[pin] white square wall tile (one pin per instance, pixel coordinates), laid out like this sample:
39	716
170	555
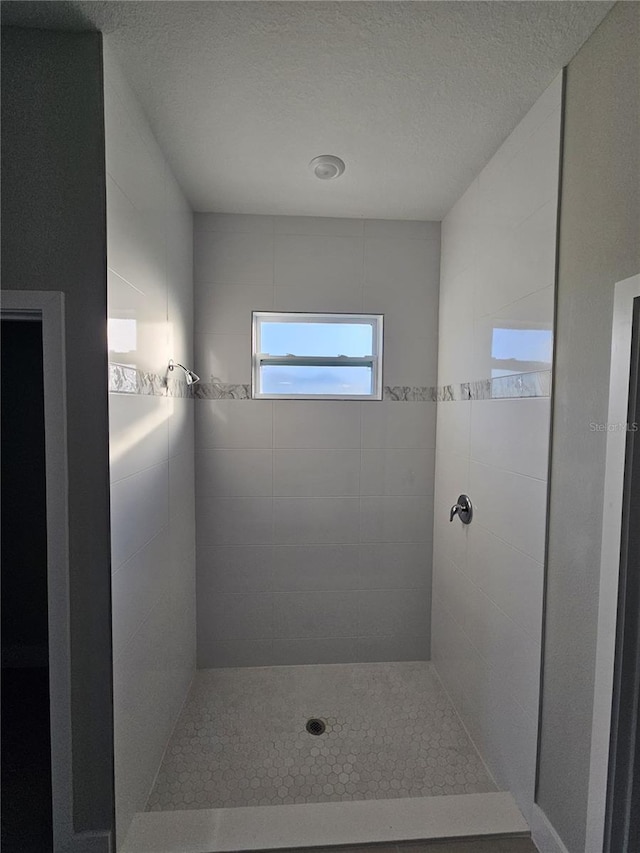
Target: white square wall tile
316	473
393	612
336	298
503	730
502	341
136	588
239	616
227	473
137	324
234	521
522	265
139	511
233	568
138	433
303	568
223	358
511	506
403	229
508	577
452	477
400	263
301	651
315	614
498	640
451	480
395	565
396	519
299	521
410	360
408	313
395	648
136	241
238	223
181	425
132	156
533	171
512	434
319	226
233	423
455	352
213	652
316	425
315	263
460	234
227	309
181	507
387	424
397	472
453	427
233	258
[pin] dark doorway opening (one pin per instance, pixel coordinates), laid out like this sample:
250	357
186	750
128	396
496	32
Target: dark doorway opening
26	741
622	827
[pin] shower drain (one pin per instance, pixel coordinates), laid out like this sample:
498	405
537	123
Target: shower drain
316	726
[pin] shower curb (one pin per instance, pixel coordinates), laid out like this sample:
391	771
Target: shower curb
326	824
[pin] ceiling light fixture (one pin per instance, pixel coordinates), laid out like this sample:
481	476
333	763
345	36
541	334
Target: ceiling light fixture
326	167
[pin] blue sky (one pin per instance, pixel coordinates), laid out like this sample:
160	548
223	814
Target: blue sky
353	339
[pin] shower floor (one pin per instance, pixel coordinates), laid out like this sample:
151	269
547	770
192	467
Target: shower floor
391	731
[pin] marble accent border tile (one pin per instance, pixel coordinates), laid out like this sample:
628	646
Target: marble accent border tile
128	380
445	393
478	390
409	393
124	379
535	384
221	391
176	388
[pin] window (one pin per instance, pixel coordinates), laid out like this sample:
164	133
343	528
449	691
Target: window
317	356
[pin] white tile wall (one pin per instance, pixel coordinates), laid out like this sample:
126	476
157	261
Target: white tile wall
314	518
150	293
498	261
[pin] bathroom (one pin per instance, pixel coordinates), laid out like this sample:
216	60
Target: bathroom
328	616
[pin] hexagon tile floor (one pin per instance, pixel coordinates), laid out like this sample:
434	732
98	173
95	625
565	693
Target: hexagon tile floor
241	740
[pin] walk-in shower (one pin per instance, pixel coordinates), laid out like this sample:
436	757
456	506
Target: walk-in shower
310	648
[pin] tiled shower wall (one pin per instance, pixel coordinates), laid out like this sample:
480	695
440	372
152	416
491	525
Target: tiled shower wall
496	299
150	301
314	518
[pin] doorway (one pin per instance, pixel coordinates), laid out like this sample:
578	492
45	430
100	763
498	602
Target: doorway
41	373
26	759
622	827
614	783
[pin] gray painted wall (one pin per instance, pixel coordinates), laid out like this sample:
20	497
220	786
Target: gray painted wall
54	238
599	222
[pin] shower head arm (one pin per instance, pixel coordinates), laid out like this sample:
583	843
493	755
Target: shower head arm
190	376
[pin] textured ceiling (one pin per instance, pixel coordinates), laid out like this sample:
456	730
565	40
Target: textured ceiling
415	97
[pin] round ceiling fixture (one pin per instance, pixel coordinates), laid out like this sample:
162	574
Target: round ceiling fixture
326	167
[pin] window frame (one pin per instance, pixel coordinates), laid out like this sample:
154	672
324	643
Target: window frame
376	321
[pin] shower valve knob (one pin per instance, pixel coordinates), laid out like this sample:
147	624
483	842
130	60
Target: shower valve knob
463	509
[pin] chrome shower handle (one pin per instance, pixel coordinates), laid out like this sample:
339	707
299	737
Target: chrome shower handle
463	509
